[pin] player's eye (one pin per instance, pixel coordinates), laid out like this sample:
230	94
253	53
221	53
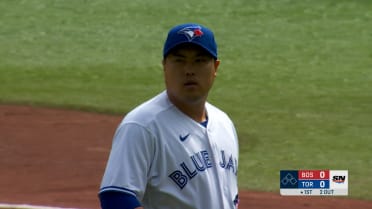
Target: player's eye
179	60
201	59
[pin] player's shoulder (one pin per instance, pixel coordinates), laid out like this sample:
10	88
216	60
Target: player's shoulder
216	112
149	110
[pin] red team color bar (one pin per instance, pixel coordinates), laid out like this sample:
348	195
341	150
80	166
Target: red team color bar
313	174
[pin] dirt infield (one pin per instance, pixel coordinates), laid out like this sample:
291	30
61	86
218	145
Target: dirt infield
57	158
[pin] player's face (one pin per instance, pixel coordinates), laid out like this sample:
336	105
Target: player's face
189	72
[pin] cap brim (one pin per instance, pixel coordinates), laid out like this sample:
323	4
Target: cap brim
188	42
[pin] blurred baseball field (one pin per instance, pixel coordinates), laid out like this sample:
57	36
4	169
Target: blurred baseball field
295	76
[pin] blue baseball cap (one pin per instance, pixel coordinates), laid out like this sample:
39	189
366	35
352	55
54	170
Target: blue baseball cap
191	33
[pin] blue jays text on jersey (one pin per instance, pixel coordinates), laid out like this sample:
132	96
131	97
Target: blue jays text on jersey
200	162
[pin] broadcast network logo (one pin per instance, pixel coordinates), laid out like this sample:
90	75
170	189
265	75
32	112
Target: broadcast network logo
339	179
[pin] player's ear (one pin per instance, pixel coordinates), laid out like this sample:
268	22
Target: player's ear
216	65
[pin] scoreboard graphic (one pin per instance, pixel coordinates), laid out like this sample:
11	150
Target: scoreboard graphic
314	182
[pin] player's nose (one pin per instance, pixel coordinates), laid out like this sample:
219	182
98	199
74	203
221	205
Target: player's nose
189	69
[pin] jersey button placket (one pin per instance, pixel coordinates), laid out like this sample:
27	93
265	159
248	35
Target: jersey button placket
215	154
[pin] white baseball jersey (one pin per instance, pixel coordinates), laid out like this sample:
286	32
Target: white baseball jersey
167	160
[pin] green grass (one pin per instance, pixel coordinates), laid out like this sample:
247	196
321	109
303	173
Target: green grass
295	76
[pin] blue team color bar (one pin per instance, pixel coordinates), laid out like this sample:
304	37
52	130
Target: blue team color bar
313	184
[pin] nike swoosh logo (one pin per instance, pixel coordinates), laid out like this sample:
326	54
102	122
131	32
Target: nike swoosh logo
183	138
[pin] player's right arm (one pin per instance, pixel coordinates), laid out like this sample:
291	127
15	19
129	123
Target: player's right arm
127	170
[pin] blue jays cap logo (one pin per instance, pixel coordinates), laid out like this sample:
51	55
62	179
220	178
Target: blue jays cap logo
191	32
